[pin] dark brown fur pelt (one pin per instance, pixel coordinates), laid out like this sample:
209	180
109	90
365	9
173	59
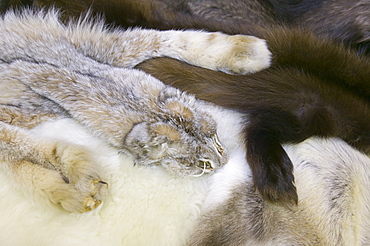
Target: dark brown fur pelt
314	87
345	22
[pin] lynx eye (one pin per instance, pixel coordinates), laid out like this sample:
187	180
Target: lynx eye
218	145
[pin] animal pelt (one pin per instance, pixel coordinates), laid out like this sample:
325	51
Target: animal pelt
313	88
83	70
345	22
282	105
307	91
332	75
147	206
331	180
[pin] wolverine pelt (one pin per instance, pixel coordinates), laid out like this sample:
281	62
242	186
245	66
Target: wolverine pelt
315	86
83	70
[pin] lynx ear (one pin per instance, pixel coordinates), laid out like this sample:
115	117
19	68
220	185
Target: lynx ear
178	109
138	134
151	140
177	103
167	131
167	93
158	133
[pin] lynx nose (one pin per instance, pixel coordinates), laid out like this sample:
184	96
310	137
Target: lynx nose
206	164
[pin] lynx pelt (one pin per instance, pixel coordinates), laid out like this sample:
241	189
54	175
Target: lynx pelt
84	71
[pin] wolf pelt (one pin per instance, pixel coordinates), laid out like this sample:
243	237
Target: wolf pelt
151	207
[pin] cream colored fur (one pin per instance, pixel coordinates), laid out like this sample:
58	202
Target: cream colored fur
148	206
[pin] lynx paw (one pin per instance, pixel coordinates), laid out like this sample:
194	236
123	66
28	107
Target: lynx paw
83	189
234	54
245	54
79	200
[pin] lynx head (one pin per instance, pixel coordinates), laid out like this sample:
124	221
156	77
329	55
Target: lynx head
181	139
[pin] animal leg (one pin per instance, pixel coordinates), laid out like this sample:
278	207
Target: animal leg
63	171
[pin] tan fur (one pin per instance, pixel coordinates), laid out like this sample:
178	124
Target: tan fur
168	131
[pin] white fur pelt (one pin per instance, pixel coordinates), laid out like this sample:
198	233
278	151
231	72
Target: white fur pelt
148	206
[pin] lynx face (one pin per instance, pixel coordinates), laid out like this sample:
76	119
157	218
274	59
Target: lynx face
181	150
183	139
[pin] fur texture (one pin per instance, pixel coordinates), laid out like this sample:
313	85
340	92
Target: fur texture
282	104
222	209
276	116
82	70
151	207
339	20
342	21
